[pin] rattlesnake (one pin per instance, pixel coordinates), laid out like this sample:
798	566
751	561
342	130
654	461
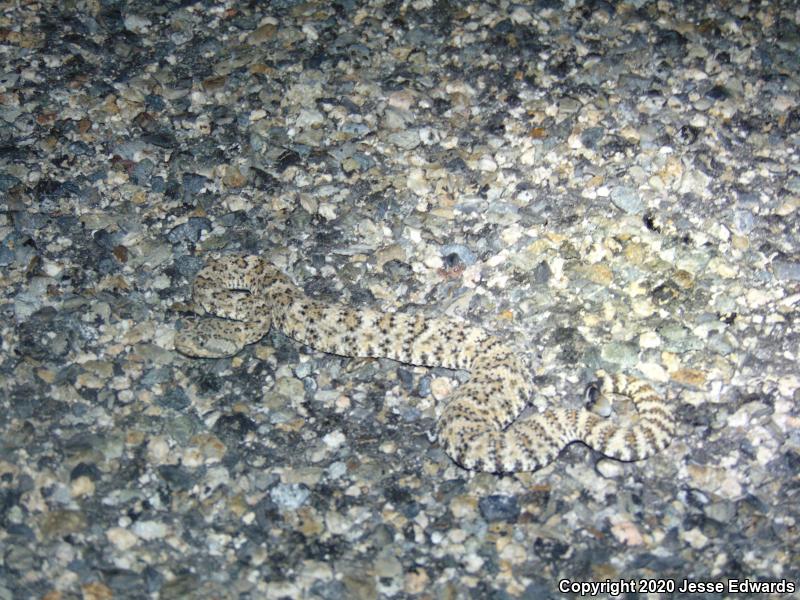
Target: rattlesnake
479	425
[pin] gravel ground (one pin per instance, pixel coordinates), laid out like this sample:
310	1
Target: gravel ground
606	185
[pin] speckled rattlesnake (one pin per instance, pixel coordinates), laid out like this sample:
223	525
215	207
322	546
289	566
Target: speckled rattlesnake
478	426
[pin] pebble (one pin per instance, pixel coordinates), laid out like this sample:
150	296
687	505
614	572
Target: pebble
441	387
623	354
498	507
626	532
149	530
289	496
405	140
81	487
122	538
786	270
610	469
189	231
627	200
334	440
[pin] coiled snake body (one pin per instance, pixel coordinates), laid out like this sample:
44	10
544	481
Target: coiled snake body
479	424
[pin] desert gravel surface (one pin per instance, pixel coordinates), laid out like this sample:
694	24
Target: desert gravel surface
605	185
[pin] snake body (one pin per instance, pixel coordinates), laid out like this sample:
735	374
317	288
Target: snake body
479	424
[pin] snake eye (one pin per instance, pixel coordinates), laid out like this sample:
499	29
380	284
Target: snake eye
592	393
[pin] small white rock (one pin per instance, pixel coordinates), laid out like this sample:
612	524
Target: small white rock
334	439
388	447
158	452
136	23
149	530
417	182
121	538
487	163
520	15
309	118
441	387
649	339
81	487
653	371
696	538
610	469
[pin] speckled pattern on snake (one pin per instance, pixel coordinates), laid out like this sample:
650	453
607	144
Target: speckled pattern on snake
479	424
